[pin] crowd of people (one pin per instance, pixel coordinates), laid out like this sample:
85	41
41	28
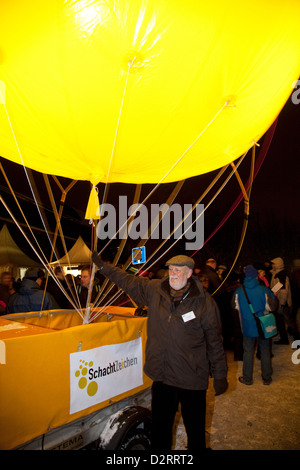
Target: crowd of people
28	294
221	286
37	292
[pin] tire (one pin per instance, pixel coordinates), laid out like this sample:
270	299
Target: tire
133	430
136	440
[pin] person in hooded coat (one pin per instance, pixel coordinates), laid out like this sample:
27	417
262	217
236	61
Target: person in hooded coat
262	299
31	298
284	315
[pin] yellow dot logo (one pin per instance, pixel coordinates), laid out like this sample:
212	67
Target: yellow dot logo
92	388
82	383
82	371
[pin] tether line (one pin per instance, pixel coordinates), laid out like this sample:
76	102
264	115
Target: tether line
169	171
37	254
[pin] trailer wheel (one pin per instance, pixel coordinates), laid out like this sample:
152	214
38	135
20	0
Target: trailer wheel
132	430
137	440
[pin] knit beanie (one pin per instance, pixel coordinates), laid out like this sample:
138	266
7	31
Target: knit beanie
250	271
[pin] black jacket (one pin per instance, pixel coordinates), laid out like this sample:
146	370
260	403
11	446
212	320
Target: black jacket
30	298
179	353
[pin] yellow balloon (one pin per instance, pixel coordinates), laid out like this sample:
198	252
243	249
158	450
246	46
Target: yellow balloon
142	91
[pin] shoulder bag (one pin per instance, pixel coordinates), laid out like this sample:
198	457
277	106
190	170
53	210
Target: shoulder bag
266	324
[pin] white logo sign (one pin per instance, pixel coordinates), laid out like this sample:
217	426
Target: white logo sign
101	373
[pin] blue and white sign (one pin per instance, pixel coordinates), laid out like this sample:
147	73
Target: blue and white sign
139	255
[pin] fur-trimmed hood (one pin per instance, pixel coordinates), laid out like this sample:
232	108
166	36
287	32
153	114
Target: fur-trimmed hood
278	265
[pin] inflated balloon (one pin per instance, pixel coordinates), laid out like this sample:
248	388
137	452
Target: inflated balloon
142	91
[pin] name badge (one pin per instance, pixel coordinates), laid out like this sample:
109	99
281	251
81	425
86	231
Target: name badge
188	316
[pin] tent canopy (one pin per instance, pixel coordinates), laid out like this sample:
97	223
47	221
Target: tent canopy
12	257
78	254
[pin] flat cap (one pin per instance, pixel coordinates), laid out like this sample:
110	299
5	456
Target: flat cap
181	260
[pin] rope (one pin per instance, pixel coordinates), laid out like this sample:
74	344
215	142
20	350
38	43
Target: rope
130	64
246	215
226	104
120	249
20	209
59	228
37	254
105	189
34	197
199	215
199	199
259	162
143	241
25	169
234	171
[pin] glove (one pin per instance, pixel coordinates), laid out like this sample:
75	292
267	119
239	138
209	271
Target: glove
97	259
140	312
220	385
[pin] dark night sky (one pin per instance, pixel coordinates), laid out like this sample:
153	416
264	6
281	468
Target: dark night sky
274	225
279	175
275	199
274	222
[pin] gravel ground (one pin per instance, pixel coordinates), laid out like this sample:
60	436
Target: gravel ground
256	417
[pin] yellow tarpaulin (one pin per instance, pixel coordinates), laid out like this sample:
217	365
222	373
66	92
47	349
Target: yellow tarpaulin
35	379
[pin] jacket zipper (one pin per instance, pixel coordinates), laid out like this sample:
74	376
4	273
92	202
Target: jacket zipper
169	319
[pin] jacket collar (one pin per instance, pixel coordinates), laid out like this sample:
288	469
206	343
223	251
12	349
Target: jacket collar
251	282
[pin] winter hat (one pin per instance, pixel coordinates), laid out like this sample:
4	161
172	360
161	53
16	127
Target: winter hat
181	260
278	264
250	271
222	266
33	273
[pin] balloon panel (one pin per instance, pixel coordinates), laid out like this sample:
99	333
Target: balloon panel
122	90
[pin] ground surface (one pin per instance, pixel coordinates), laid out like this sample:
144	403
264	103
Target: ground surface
256	417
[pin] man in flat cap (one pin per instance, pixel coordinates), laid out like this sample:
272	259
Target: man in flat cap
30	297
184	344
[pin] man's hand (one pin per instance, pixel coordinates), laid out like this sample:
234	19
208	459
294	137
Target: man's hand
97	259
220	385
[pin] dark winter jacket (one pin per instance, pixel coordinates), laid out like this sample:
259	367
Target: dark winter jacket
178	352
262	300
29	299
214	280
58	294
84	291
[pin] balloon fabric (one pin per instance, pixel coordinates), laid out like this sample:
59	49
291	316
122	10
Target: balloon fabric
142	91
